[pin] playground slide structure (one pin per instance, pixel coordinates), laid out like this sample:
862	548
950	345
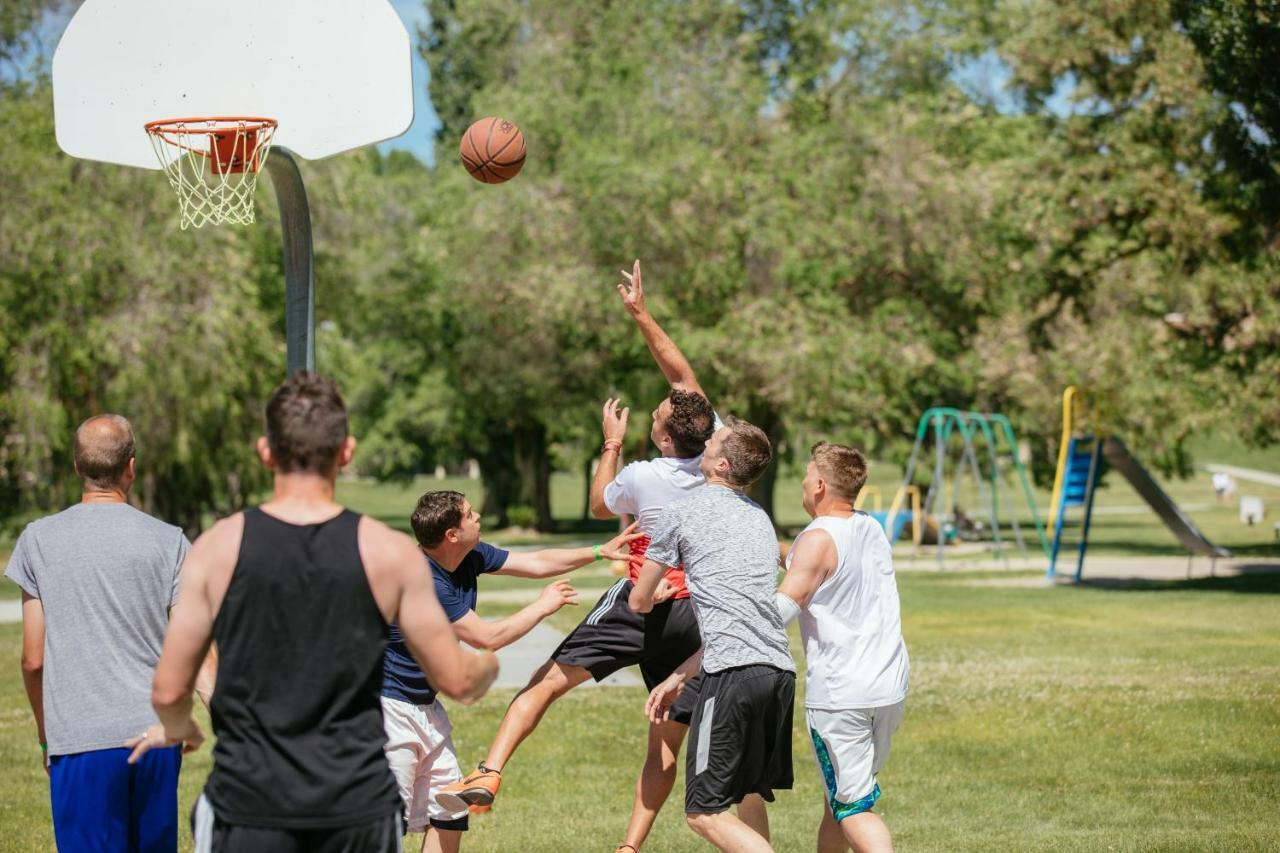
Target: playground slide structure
1079	468
1119	458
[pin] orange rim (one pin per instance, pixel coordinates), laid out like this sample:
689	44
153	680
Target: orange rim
175	130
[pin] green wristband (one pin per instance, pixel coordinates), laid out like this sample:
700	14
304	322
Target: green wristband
44	746
595	549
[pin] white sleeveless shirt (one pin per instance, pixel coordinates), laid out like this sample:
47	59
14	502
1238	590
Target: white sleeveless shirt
852	628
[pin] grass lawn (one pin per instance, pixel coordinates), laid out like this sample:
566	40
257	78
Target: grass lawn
1038	719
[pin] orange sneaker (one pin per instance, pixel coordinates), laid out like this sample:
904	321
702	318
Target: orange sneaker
475	792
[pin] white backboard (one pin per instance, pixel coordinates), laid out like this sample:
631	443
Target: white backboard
335	74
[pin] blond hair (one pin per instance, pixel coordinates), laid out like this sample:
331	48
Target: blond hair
844	468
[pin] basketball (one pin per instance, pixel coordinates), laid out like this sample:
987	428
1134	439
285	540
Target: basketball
492	149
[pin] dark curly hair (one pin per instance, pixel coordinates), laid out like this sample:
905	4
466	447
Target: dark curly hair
691	423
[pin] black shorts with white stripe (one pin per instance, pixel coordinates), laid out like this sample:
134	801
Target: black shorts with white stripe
612	637
739	738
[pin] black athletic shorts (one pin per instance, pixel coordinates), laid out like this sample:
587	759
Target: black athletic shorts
213	835
612	637
740	737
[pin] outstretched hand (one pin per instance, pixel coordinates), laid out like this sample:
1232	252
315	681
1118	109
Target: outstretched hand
632	291
557	595
617	547
615	420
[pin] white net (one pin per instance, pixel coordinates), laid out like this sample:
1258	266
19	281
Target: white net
213	165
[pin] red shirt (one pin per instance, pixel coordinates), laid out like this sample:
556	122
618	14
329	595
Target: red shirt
674	576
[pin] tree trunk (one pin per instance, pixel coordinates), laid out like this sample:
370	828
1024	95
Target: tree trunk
587	474
516	471
765	415
497	473
533	462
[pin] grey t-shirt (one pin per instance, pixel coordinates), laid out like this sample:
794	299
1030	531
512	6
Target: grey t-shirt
726	544
106	575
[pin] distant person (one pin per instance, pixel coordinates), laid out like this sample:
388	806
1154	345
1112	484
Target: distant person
611	636
419	741
840	583
299	594
740	733
1221	483
97	581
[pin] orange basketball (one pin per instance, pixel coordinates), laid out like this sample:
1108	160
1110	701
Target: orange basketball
492	149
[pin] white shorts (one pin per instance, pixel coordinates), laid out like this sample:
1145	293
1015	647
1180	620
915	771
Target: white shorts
420	751
851	746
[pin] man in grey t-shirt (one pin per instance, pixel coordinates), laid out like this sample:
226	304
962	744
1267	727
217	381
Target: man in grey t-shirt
740	734
97	581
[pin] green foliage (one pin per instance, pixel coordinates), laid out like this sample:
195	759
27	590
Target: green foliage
837	234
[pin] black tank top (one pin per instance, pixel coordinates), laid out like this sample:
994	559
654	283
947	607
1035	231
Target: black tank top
296	709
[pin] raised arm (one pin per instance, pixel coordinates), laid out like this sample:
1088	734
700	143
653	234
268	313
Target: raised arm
670	359
614	427
549	562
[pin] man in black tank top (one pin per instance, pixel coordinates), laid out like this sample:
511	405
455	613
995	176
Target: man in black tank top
298	595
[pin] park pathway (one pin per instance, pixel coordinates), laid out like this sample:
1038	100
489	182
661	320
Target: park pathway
1253	475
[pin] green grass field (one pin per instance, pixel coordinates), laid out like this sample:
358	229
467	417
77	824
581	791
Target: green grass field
1038	719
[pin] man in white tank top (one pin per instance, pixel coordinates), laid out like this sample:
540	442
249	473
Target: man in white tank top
840	583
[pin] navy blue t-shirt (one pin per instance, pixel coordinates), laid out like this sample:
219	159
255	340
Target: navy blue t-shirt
401	676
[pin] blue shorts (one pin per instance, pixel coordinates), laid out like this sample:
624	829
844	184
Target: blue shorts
101	802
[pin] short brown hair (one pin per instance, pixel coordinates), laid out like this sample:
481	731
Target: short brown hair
748	451
844	468
691	423
103	448
435	514
306	424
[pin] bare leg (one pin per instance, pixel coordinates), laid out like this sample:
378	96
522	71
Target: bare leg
441	840
728	833
830	837
657	778
867	833
551	681
753	812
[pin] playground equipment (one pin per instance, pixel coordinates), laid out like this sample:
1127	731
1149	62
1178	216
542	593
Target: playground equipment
893	521
1001	448
1080	460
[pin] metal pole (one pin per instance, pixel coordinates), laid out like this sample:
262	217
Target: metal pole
937	481
299	267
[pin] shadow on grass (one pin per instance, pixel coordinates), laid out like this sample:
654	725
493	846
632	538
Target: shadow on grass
1257	579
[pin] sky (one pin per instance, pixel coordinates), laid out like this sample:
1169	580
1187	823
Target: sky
419	139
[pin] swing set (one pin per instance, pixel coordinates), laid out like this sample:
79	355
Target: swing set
977	445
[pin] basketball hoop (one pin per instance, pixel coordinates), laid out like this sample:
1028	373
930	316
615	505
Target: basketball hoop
234	148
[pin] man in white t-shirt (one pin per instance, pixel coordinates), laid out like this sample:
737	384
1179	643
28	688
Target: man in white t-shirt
841	585
611	636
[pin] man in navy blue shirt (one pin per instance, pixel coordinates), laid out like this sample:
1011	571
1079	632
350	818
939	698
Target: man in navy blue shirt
419	747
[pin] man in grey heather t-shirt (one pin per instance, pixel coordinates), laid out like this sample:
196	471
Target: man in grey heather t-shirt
740	734
98	580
